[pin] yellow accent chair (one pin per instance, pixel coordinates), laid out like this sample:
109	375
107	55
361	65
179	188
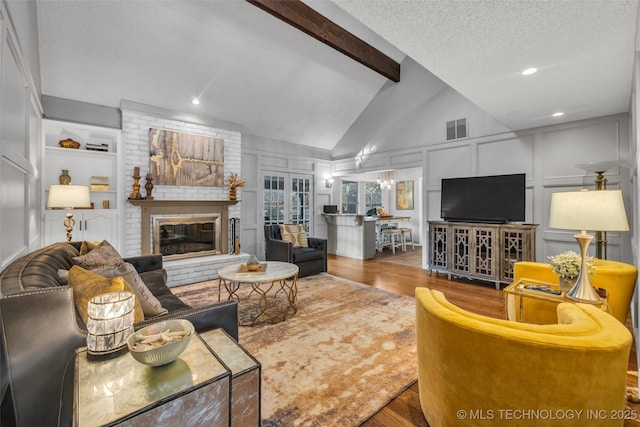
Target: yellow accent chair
475	370
618	278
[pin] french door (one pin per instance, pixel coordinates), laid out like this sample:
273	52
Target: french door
288	199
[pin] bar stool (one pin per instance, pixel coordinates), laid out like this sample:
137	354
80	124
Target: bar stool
407	238
391	238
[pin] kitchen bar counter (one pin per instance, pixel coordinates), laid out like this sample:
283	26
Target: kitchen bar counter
351	235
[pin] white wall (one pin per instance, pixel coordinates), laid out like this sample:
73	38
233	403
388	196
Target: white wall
634	157
412	113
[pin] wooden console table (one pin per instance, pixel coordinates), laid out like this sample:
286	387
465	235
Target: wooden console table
480	251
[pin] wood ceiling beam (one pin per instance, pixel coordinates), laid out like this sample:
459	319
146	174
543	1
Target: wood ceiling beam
306	19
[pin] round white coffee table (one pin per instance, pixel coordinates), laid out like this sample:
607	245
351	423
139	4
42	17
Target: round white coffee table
278	276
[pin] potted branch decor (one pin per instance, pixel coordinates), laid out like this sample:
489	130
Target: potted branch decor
234	182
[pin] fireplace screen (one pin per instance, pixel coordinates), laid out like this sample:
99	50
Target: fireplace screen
186	236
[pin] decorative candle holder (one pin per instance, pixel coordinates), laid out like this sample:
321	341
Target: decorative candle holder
110	323
135	195
149	187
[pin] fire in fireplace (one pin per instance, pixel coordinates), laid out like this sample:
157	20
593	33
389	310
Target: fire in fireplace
185	236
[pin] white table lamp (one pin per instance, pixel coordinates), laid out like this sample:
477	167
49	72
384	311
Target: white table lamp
587	210
68	197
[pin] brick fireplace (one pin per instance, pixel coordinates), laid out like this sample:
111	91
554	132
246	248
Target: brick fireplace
184	268
173	200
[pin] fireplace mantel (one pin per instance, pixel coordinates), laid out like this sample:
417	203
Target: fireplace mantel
148	208
159	203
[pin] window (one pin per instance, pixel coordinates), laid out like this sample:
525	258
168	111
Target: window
373	197
287	199
274	199
300	210
349	197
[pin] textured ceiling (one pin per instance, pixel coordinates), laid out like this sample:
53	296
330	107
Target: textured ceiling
252	69
583	49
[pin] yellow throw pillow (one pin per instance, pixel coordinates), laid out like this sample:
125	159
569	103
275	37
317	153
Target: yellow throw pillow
87	284
87	247
294	234
150	304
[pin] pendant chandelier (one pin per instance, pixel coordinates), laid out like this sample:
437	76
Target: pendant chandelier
385	179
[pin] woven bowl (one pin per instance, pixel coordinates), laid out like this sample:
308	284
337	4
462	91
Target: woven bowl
167	352
69	143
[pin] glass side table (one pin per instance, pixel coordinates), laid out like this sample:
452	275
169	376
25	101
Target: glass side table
531	306
245	377
194	389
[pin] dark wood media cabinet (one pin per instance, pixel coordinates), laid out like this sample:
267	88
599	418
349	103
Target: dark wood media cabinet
480	251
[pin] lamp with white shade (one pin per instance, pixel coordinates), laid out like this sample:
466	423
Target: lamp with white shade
68	197
587	211
599	168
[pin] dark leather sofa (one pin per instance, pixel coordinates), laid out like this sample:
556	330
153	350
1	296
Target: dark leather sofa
311	260
41	331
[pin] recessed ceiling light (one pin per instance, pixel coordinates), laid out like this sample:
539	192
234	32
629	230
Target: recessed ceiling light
558	114
195	101
529	71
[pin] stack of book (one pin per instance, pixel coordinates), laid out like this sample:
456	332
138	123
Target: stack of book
97	147
99	183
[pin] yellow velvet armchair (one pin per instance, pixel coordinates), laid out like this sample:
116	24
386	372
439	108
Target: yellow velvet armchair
618	278
475	370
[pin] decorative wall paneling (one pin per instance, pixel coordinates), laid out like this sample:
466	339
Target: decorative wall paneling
261	162
547	155
634	158
20	113
251	206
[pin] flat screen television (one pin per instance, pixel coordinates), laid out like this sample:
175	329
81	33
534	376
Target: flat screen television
490	199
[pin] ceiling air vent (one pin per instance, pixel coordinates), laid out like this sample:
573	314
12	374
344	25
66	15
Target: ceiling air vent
456	129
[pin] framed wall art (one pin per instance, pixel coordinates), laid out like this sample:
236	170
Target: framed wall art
178	158
404	195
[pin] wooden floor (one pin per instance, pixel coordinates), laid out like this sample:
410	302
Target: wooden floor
402	279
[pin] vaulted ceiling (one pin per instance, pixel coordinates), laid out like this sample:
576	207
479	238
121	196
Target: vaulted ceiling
249	68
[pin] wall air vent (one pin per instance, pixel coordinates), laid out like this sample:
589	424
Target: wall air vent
456	129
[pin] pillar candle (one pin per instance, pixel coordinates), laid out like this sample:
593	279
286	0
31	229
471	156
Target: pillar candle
136	171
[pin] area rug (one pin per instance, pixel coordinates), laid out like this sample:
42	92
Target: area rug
344	355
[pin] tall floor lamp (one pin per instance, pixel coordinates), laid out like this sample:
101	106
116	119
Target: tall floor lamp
68	197
599	168
587	210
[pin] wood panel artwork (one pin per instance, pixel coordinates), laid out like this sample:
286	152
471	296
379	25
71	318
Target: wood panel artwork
177	158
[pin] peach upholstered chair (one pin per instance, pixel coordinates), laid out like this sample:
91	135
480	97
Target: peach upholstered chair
475	370
618	278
